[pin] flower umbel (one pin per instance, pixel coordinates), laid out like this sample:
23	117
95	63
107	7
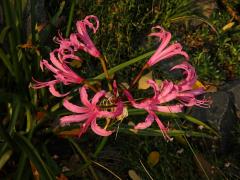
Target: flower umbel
164	52
62	74
89	113
164	94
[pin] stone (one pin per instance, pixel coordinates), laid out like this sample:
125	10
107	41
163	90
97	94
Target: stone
220	115
233	87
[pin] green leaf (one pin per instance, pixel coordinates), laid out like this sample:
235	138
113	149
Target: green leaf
133	112
26	146
157	132
196	18
59	12
6	61
5	157
4	33
125	64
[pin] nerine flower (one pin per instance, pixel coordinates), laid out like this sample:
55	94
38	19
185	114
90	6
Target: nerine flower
187	95
89	113
80	40
164	52
163	94
62	73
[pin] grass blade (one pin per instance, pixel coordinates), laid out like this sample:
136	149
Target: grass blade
5	157
26	146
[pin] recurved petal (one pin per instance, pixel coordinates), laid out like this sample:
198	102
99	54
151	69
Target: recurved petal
54	92
97	96
84	97
98	130
169	109
148	122
74	108
73	118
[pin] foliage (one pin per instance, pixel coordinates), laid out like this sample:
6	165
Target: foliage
31	144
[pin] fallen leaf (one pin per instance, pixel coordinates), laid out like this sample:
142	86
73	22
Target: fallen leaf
62	177
133	175
35	172
228	26
142	83
39	27
153	158
71	133
198	84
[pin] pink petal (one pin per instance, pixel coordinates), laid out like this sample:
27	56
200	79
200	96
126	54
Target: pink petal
84	97
39	84
169	109
73	118
74	108
148	122
163	129
119	109
155	87
54	92
97	96
98	130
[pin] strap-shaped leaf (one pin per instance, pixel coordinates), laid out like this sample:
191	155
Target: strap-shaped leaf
4	33
26	146
125	64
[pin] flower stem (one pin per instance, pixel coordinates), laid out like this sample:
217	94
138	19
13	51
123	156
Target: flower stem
139	75
103	60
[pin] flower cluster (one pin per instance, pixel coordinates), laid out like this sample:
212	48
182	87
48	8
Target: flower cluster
168	96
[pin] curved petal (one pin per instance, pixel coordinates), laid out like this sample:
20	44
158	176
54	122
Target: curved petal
89	24
98	130
155	87
97	96
163	129
169	109
84	97
74	108
73	118
39	84
54	92
119	109
148	122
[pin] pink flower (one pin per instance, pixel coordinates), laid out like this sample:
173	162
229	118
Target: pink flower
81	39
164	52
187	95
166	93
62	73
89	113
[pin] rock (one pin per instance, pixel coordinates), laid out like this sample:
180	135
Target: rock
220	115
233	87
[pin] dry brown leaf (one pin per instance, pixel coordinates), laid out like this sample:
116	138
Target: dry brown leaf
133	175
198	84
228	26
62	177
71	133
153	158
35	172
